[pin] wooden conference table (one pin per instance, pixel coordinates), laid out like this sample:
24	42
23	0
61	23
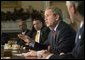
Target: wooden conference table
14	54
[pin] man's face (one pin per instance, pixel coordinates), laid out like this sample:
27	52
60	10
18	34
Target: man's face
22	26
50	18
70	9
37	24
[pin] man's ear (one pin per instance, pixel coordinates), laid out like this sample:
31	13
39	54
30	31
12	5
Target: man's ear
57	17
73	9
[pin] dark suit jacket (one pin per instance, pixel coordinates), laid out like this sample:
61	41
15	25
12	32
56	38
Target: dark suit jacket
4	38
64	40
78	51
21	42
43	37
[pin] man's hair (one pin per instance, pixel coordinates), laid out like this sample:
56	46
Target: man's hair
56	11
23	21
79	6
38	18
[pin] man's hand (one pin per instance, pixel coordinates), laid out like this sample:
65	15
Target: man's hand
26	38
37	54
62	53
45	54
32	53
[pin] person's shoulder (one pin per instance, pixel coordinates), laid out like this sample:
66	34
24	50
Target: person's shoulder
45	29
65	25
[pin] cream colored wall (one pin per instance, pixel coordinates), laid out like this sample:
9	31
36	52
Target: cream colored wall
38	5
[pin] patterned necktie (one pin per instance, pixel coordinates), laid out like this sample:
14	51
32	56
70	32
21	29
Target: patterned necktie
37	37
53	33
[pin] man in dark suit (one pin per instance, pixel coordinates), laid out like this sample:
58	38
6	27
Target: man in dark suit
61	37
24	31
76	11
43	34
39	36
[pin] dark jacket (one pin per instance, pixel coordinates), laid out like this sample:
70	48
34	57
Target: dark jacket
21	42
4	38
78	50
43	37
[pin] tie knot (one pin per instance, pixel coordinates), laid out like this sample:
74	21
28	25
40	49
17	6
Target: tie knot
53	31
37	32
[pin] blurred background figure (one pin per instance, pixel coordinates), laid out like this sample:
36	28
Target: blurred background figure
24	31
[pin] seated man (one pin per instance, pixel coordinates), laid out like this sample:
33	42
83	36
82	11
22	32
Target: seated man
76	11
24	31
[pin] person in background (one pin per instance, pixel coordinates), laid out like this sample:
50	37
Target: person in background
24	31
39	36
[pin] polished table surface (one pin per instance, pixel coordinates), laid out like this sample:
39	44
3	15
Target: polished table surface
14	54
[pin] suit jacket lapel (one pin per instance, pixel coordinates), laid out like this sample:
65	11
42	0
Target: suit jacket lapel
57	31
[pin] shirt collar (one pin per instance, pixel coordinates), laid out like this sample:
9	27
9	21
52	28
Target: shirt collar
38	31
23	32
56	26
81	24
